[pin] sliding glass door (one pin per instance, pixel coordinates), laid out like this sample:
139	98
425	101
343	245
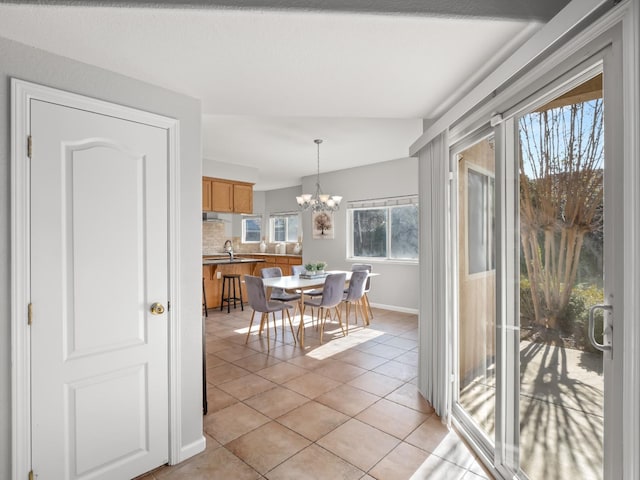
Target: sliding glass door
562	248
537	271
476	325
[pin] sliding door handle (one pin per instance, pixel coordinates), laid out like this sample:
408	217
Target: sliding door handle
607	329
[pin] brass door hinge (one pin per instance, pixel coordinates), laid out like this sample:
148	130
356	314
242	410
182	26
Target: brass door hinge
29	146
31	477
29	313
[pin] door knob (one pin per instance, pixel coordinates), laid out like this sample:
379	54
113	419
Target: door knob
157	309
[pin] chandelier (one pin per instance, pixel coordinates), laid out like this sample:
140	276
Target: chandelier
319	202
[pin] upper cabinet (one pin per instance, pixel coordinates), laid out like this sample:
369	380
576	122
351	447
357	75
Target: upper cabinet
226	196
243	198
206	195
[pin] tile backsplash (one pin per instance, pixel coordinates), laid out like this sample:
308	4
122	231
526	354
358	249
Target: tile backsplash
213	238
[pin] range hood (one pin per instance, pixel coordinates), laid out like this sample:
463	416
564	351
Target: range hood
212	217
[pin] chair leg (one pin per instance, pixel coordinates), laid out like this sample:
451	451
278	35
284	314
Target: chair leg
339	315
275	323
321	320
364	310
266	317
347	308
290	326
204	299
366	301
249	331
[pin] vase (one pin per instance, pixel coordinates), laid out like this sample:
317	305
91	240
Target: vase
263	246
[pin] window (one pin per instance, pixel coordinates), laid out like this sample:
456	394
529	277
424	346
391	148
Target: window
481	220
284	227
251	229
384	229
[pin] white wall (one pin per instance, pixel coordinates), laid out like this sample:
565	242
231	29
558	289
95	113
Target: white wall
397	286
282	200
216	169
40	67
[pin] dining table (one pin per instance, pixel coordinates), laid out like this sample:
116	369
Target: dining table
302	283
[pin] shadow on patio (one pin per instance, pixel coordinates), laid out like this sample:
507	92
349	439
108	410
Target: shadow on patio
561	422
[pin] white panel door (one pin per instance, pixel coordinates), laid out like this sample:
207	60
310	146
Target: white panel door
98	262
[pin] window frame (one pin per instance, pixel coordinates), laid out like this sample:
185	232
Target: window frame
382	204
244	229
286	216
491	195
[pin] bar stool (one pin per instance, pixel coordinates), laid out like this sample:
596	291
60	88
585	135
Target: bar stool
229	280
204	299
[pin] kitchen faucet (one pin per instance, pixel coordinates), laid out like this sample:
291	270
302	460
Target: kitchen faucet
229	249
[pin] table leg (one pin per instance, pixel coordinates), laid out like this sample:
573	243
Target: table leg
301	325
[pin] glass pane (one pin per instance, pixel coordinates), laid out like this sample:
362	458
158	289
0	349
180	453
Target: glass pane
370	232
292	230
404	232
561	276
481	221
279	229
476	286
252	229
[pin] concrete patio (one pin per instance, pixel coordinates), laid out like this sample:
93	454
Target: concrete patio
561	421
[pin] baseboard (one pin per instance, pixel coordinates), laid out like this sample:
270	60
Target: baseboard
192	449
394	308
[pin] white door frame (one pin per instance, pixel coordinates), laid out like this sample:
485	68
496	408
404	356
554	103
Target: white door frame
22	93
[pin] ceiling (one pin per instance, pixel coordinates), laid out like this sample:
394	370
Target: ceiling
274	75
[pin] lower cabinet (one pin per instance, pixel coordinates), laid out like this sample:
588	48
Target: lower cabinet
213	284
282	261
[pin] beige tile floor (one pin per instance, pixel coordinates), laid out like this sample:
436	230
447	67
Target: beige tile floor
346	409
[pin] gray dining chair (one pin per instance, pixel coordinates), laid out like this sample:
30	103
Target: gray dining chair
280	294
331	298
259	303
354	296
297	269
367	267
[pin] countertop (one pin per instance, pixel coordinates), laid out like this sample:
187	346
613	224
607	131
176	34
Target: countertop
214	260
242	255
273	254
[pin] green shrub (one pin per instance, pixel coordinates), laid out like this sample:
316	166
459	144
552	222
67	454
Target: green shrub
574	320
527	312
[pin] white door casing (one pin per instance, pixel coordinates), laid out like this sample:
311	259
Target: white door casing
98	253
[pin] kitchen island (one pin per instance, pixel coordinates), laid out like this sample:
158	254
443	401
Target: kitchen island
214	266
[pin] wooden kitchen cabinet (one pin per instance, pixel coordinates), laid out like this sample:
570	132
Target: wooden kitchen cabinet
226	196
283	261
206	195
221	196
242	198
